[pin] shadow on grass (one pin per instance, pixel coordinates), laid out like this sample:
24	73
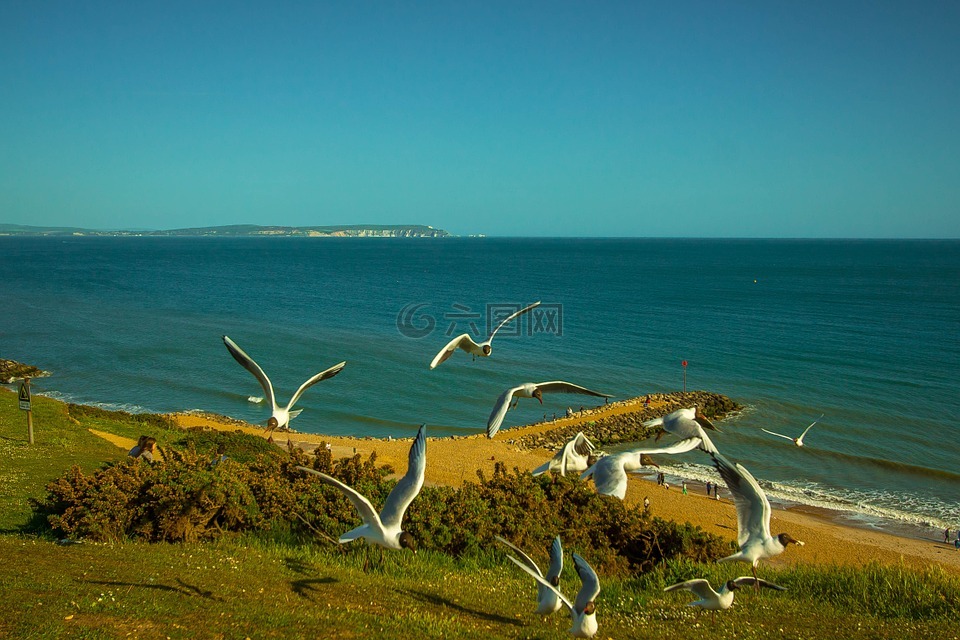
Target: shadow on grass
443	602
183	588
306	588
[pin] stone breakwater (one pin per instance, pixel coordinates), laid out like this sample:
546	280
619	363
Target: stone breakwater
621	422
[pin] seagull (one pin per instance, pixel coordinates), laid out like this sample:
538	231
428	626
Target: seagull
547	600
610	472
796	441
465	342
574	456
583	612
685	423
713	601
281	416
384	529
753	516
531	390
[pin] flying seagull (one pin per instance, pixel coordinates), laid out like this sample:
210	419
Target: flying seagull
547	599
685	423
383	529
610	472
713	601
281	416
753	516
531	390
796	441
573	456
465	342
583	611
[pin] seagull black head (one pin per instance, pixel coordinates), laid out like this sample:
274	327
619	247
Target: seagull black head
407	541
703	420
732	585
786	538
591	608
486	349
538	394
272	423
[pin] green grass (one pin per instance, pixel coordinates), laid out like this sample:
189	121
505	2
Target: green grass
259	587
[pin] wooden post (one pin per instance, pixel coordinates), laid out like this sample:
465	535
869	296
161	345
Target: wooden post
684	363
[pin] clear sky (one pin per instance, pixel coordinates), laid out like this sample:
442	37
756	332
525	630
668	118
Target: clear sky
749	119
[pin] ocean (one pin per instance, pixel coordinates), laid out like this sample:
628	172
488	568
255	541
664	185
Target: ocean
866	333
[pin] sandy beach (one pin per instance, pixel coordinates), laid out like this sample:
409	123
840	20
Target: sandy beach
454	460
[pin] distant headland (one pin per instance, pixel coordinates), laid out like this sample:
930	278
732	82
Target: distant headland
241	230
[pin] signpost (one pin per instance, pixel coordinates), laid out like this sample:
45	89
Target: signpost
684	364
25	406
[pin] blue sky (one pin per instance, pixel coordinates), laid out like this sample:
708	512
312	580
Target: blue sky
807	119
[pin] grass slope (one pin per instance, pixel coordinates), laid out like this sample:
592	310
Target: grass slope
260	588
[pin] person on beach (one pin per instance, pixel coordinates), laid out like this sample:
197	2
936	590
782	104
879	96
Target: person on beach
684	486
646	504
946	535
709	486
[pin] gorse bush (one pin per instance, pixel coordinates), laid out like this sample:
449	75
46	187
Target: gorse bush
191	497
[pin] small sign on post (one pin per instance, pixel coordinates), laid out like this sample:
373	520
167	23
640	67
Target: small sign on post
684	365
25	406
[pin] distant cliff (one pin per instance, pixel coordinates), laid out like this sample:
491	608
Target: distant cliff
248	230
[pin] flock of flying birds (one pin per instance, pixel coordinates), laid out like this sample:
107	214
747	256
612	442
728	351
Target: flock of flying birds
578	455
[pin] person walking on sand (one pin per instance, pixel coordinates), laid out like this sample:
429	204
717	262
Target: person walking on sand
709	486
646	504
684	486
946	535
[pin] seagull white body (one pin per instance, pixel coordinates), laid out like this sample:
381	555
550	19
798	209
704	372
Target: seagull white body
686	423
753	516
547	599
799	440
714	601
384	529
466	343
531	390
572	457
583	611
280	416
610	472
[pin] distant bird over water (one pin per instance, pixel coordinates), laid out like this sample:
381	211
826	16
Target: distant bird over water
531	390
753	516
383	529
465	342
799	440
281	416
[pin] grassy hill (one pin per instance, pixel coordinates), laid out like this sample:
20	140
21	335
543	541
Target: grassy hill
280	586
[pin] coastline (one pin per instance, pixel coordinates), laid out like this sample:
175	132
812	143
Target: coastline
455	459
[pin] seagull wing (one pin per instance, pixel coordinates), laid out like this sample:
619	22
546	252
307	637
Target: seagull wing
749	581
541	580
559	386
363	506
463	341
556	559
323	375
500	411
633	461
247	363
753	508
526	559
700	587
779	434
511	317
800	439
608	475
591	584
410	484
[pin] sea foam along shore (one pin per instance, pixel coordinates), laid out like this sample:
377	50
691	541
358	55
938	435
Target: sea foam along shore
454	460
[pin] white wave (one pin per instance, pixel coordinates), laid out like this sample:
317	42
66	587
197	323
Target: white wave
874	509
108	406
255	399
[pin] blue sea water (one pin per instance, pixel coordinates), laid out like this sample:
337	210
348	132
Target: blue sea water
866	333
